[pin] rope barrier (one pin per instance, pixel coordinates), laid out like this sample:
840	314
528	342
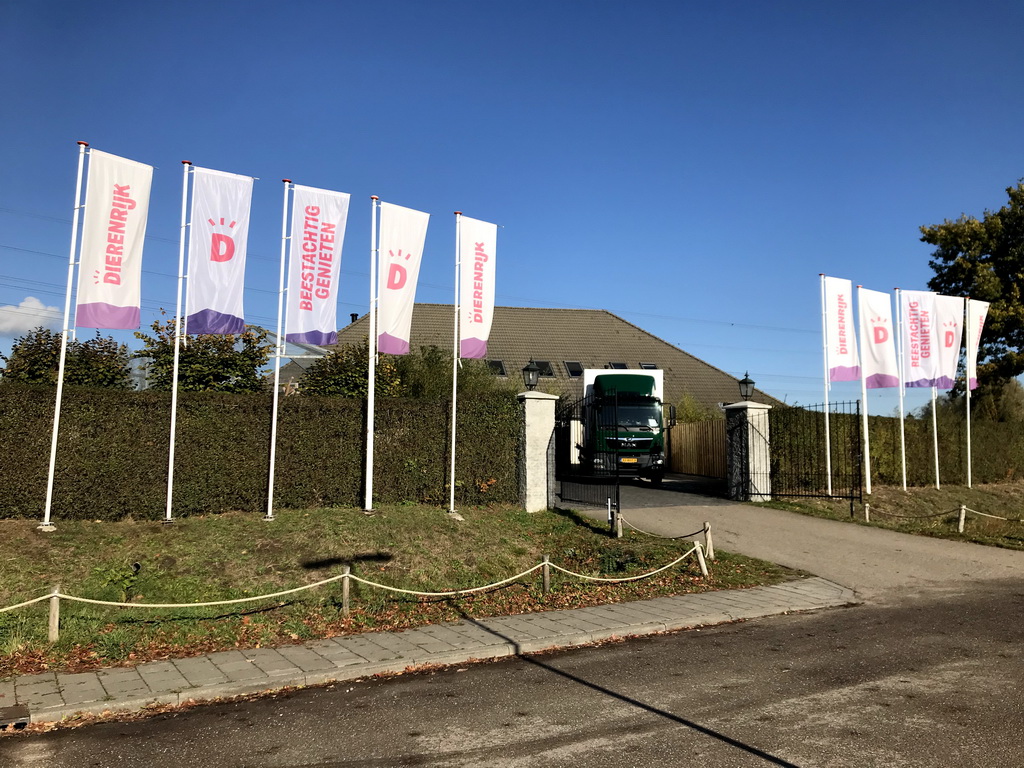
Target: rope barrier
961	511
237	601
456	592
629	578
996	517
658	536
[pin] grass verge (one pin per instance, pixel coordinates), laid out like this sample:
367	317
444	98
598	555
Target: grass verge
236	555
931	511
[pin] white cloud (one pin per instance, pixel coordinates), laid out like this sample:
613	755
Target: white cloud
30	313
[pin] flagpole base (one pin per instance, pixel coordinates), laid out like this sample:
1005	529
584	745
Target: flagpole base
46	527
268	518
166	521
455	516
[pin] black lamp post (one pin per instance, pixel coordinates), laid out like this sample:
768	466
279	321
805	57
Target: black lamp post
531	375
746	387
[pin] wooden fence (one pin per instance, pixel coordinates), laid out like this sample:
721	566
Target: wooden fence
698	448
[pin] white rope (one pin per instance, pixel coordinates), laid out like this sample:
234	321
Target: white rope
450	594
236	601
27	602
994	517
630	578
332	579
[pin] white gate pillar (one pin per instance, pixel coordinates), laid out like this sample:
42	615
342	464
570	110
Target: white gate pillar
747	441
536	470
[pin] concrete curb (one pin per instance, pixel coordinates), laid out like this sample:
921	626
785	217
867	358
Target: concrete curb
53	697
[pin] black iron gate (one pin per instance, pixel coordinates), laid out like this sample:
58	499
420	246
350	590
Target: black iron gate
797	457
584	474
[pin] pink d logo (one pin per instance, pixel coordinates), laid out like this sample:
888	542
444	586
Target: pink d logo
222	247
949	339
396	277
881	334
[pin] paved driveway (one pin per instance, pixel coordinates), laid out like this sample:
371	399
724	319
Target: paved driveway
880	565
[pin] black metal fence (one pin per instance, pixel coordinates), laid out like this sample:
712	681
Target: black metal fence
797	456
585	474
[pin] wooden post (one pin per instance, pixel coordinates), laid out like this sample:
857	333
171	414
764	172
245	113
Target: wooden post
709	545
963	518
547	574
867	512
700	558
54	632
345	590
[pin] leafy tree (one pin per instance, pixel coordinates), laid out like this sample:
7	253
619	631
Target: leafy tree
985	260
97	362
228	363
425	375
344	371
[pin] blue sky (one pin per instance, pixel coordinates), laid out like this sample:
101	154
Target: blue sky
689	166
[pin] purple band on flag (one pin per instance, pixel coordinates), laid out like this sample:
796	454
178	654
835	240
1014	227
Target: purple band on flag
973	383
844	373
920	383
319	338
102	315
391	345
209	321
881	381
473	348
944	382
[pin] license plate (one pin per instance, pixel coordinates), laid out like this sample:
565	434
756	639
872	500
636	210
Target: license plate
628	460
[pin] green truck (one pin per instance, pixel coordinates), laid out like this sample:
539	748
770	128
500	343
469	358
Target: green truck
624	424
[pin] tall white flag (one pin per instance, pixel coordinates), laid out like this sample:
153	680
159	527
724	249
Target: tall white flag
949	330
403	233
877	340
477	246
216	254
840	334
977	311
920	358
319	217
116	209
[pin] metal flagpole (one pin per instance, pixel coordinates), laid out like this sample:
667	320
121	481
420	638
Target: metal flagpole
969	325
278	353
899	367
455	354
864	408
186	167
824	347
935	438
47	524
372	373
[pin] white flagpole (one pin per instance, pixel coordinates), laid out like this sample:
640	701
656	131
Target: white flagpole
824	347
186	167
899	367
279	347
455	353
864	409
372	373
969	325
47	523
935	438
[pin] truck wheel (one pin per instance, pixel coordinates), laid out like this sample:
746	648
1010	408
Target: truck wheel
656	480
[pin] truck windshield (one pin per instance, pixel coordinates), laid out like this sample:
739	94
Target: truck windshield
647	416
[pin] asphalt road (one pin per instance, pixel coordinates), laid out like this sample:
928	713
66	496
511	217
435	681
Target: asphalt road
929	671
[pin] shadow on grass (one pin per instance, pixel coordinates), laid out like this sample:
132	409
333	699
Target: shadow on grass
330	562
581	520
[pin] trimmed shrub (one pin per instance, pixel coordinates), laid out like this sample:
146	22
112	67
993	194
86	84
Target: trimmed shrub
113	446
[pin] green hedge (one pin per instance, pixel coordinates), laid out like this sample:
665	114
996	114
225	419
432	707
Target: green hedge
997	450
112	453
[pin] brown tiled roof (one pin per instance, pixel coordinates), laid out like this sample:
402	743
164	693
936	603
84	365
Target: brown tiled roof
594	338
